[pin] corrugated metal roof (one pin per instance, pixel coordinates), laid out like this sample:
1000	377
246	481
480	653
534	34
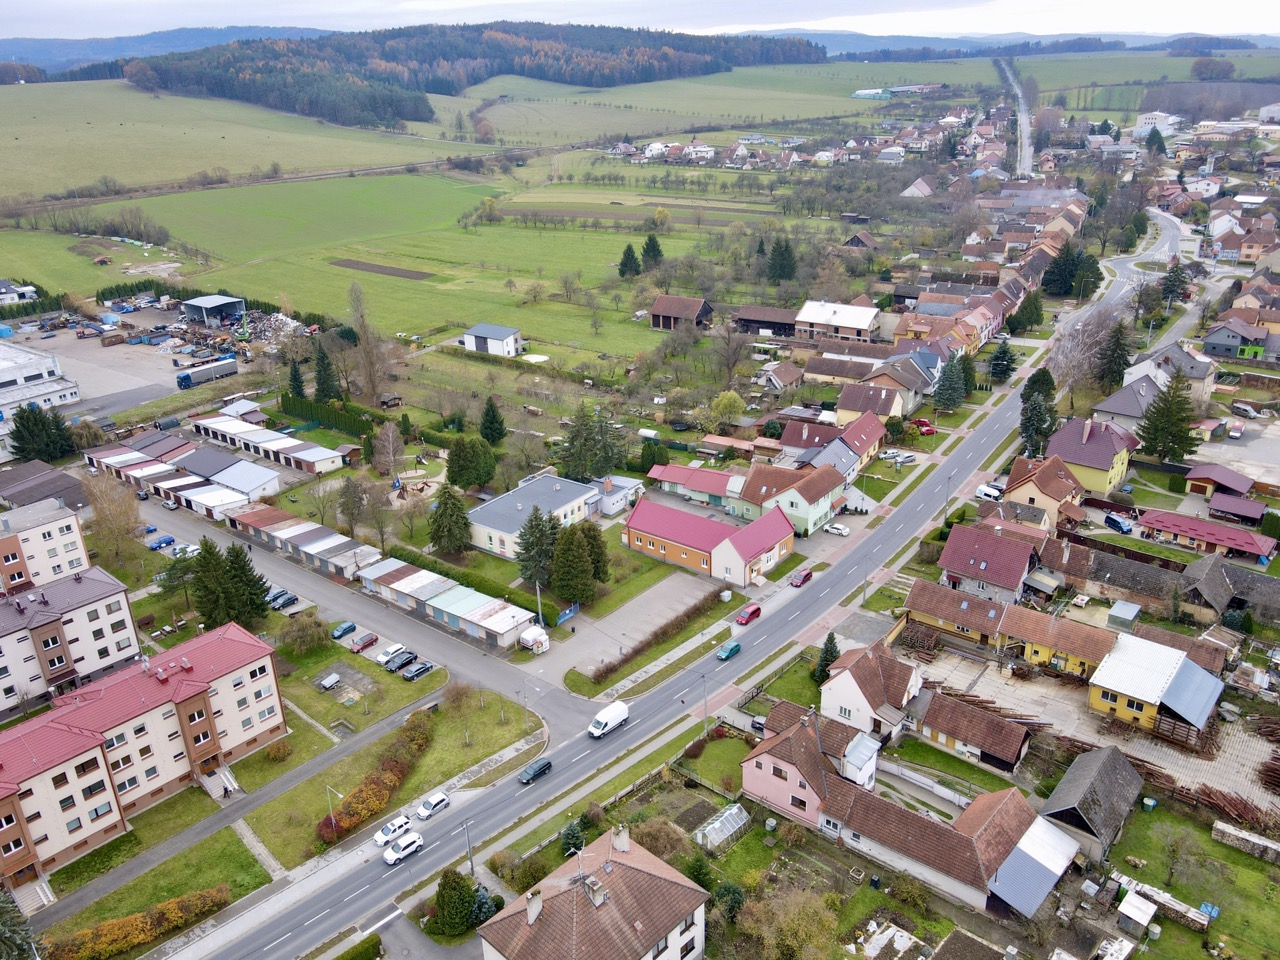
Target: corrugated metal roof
244	476
1034	867
1193	693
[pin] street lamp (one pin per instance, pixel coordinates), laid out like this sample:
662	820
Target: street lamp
329	790
947	500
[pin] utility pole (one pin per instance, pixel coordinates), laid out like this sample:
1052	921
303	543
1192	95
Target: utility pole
471	860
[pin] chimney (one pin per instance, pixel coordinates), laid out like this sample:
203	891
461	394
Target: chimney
533	905
596	891
622	838
186	665
999	530
1084	436
43	601
161	676
804	432
608	484
77	578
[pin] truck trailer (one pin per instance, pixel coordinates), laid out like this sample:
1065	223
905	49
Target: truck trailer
192	376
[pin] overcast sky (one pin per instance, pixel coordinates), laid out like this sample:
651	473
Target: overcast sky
111	18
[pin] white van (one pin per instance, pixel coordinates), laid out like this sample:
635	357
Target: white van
614	715
987	492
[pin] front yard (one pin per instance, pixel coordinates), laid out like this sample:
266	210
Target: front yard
968	775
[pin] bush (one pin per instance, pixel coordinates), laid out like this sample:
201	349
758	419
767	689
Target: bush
279	751
791	833
694	750
1121	498
1177	483
910	892
594	815
530	871
660	837
370	948
664	632
113	937
730	898
698	869
503	862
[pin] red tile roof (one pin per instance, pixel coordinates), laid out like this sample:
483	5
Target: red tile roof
953	606
677	526
816	484
686	308
862	435
805	435
866	398
715	482
1051	476
983	729
1089	643
980	553
1207	531
761	535
996	822
882	677
765	481
1221	476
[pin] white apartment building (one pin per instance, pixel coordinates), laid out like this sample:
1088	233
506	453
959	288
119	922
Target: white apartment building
39	543
29	376
71	777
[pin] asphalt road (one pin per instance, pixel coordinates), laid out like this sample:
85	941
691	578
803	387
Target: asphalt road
359	889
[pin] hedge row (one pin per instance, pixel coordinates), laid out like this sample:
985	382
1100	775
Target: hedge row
370	948
478	582
667	630
373	793
113	937
336	418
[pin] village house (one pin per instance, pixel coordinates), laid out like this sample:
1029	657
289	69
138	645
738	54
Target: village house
1207	536
1049	485
968	731
1153	687
668	312
868	689
983	562
1093	799
857	399
809	498
1096	451
496	523
842	321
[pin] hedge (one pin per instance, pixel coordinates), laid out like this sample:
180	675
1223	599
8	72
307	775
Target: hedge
370	948
113	937
478	582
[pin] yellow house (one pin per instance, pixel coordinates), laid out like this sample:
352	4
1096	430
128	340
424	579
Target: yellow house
972	618
1096	451
1065	645
1145	683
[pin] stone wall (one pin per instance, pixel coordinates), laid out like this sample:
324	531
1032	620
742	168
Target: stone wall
1251	843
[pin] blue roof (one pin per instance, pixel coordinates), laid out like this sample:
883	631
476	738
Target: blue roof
491	331
1192	694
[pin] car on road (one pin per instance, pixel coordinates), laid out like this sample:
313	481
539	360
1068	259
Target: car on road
288	600
409	843
730	649
400	661
169	504
801	577
391	830
159	543
539	768
275	595
363	642
927	431
839	529
921	422
890	454
342	629
419	669
750	612
142	495
390	652
432	805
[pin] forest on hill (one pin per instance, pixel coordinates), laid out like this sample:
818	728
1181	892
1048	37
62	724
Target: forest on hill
381	78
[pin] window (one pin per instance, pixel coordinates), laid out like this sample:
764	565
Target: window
151	773
118	739
66	803
981	585
1137	706
10	691
4	672
117	626
660	948
73	825
196	717
1109	697
201	737
10	558
120	763
688	948
100	811
242	703
52	552
74	563
34	817
92	616
779	773
46	535
124	643
144	753
829	824
261	694
140	729
93	789
167	714
963	629
113	606
7	821
16	577
845	713
124	786
13	846
246	723
759	764
99	633
268	712
88	766
59	779
688	923
237	683
57	569
175	734
259	671
104	652
799	802
58	662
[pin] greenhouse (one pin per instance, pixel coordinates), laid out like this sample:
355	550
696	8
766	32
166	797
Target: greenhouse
724	829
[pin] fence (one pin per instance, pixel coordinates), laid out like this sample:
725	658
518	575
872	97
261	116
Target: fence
899	769
568	613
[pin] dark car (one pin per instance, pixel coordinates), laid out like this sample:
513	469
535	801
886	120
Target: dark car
801	577
288	600
342	629
419	669
159	543
757	724
363	642
401	660
539	768
143	495
275	595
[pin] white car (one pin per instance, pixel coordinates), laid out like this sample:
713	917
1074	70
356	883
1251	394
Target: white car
433	804
391	830
889	454
839	529
407	844
169	504
390	652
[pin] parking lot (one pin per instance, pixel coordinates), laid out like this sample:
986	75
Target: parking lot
1255	454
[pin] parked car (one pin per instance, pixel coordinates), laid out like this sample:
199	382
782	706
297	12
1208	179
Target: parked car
1002	335
390	652
150	528
922	422
1118	523
363	642
169	504
432	805
142	495
275	595
391	830
729	650
801	577
407	844
400	661
419	669
750	612
1236	431
890	454
839	529
757	724
987	492
539	768
159	543
904	458
927	431
288	600
342	629
183	550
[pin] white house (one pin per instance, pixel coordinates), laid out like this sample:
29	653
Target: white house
491	338
869	689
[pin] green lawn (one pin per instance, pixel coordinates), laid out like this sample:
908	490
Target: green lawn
661	676
134	566
1134	542
632	574
221	858
954	768
796	684
877	488
150	827
256	770
498	569
785	567
1241	885
389	694
577	682
462	738
720	760
884	600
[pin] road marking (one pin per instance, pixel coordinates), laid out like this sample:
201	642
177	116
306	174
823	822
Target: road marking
274	942
823	593
579	756
717	668
316	917
753	643
793	616
897	528
680	694
436	844
356	894
383	922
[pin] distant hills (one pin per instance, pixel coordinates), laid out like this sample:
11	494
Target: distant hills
55	56
842	43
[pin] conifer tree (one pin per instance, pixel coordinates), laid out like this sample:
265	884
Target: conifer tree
537	547
949	394
326	386
492	426
571	569
651	253
297	386
1165	430
629	266
246	588
1002	362
598	550
1114	358
450	526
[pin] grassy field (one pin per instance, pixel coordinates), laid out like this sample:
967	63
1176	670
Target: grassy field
222	858
255	770
796	684
721	762
140	138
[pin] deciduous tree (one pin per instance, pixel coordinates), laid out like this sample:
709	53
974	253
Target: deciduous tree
388	448
351	502
115	514
727	407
